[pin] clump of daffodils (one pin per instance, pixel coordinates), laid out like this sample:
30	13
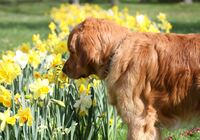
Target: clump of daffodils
69	15
9	71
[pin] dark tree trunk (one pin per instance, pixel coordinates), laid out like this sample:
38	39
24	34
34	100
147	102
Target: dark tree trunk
114	2
74	1
188	1
142	1
89	1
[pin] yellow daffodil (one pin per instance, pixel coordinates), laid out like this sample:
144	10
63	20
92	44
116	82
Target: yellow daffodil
25	47
52	26
62	77
36	75
50	76
167	26
57	60
153	28
17	98
34	58
61	47
64	27
161	16
36	38
55	75
5	96
41	47
24	116
81	81
11	120
84	90
111	122
8	56
8	71
40	88
52	41
5	118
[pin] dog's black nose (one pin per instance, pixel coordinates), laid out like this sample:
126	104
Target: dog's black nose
63	70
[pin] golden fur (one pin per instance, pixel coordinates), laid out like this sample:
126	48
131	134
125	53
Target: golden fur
153	79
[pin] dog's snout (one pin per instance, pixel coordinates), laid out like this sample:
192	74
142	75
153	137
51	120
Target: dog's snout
64	69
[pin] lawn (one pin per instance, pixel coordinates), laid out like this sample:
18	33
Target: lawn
19	22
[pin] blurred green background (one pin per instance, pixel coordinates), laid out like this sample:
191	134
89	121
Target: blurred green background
19	20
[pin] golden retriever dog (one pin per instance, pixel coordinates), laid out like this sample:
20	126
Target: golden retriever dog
153	79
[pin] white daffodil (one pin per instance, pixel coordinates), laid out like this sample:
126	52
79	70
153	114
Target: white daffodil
21	59
84	103
49	60
140	19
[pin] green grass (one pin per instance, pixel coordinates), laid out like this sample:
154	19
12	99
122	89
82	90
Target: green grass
19	22
178	134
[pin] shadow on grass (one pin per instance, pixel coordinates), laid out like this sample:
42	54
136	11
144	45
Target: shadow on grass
183	27
29	8
29	25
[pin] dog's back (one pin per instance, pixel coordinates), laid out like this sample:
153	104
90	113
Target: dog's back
176	85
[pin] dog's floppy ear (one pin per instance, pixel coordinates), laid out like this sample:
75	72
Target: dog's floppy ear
86	45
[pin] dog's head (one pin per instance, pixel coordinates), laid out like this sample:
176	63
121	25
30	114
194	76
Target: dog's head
90	45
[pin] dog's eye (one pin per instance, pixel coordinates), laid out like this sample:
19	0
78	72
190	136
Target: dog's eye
71	50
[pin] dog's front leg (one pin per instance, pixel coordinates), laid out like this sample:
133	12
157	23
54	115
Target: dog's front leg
142	127
140	119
